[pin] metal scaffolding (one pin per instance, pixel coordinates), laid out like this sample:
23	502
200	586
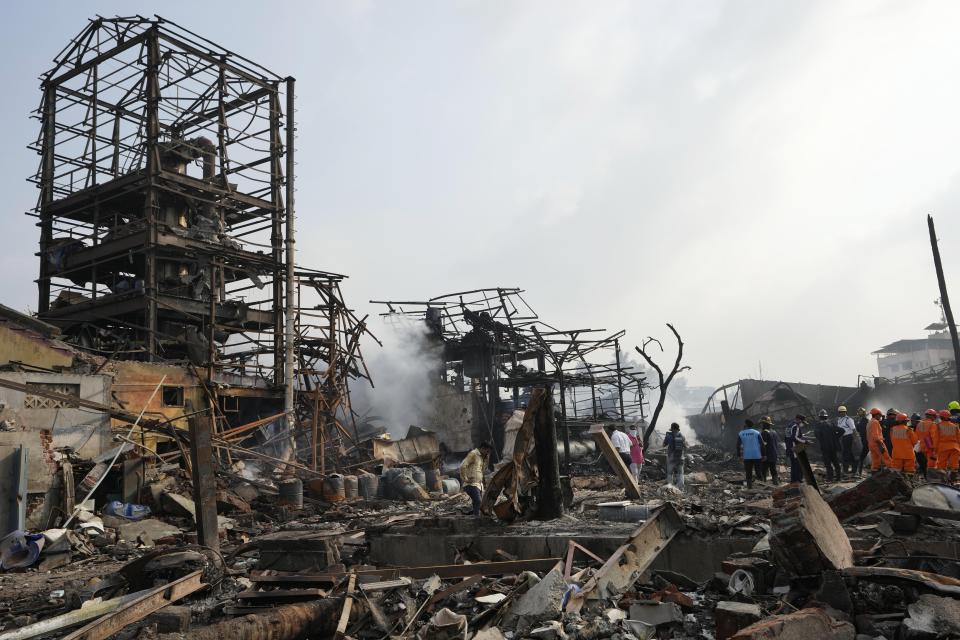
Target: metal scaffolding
161	209
493	339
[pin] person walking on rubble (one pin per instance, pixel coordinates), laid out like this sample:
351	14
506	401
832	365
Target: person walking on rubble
675	444
946	441
876	443
771	450
471	474
926	453
903	438
621	443
750	451
862	422
795	442
849	427
636	452
828	437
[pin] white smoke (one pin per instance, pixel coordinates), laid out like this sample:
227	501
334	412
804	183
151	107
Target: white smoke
673	412
401	372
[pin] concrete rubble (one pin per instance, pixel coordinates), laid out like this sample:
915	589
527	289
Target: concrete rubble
692	568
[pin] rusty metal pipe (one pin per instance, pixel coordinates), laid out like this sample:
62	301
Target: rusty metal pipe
313	620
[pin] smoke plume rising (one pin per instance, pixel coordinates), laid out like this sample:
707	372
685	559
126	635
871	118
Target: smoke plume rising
401	373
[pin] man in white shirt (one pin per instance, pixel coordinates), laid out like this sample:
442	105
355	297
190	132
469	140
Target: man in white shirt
622	444
849	427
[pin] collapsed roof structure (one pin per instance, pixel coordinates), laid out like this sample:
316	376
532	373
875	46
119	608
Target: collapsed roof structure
491	339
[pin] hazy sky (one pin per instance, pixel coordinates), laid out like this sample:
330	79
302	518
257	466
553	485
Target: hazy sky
757	173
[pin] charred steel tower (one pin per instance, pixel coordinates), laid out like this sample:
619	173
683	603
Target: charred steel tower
165	165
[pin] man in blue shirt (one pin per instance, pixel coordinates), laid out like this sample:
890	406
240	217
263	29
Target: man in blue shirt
750	451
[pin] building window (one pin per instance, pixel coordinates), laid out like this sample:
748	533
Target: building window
33	401
172	396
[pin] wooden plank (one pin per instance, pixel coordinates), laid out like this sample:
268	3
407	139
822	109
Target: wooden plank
445	571
443	594
927	512
345	612
69	490
282	594
385	585
610	453
155	599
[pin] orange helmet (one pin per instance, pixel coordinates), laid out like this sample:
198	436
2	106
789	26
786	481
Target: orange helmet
902	417
931	412
877	412
944	414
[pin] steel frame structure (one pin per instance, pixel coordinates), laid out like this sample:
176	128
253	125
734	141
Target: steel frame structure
488	334
142	253
328	350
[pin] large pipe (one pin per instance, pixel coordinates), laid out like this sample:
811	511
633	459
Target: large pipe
315	619
289	241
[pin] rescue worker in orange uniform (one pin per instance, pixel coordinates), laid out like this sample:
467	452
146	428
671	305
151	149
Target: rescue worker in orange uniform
946	439
878	448
903	439
926	454
944	416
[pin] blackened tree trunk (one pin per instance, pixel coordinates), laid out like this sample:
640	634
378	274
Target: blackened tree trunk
549	491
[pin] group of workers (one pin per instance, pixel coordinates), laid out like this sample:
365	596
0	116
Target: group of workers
896	441
893	440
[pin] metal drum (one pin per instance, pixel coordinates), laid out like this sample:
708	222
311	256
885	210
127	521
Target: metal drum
419	476
369	486
291	493
350	487
451	485
333	488
433	481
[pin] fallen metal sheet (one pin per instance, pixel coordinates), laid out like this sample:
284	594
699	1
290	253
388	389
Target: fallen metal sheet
419	449
628	562
934	581
111	623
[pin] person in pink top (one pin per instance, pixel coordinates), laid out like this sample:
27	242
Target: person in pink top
636	452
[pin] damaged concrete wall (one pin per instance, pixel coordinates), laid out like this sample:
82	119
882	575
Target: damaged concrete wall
22	345
43	424
451	418
134	382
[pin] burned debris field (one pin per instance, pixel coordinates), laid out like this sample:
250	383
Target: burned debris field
201	436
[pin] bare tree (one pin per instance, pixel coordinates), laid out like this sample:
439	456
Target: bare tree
664	382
